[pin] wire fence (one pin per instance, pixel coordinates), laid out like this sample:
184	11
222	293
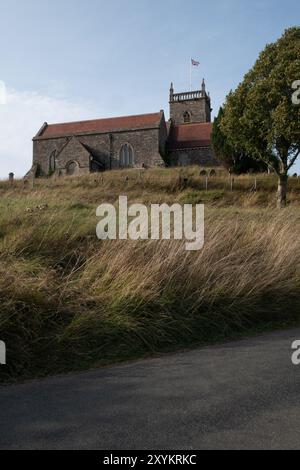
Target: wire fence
158	179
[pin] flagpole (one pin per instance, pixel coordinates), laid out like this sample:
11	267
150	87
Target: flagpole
191	84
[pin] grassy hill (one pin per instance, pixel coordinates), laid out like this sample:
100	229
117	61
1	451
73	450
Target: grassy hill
69	301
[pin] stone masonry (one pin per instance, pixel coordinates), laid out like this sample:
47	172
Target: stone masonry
132	141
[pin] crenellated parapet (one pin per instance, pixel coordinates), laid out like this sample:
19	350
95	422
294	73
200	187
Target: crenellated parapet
187	96
190	106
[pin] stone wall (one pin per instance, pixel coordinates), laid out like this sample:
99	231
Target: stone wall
163	138
149	149
201	156
199	110
74	151
146	146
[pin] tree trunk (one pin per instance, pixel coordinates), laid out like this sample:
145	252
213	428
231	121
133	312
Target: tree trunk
282	190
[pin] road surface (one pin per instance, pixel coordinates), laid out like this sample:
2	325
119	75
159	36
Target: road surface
240	395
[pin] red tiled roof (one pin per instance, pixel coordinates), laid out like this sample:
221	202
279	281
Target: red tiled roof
190	135
143	121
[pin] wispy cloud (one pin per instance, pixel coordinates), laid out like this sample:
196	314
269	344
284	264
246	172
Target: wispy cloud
21	116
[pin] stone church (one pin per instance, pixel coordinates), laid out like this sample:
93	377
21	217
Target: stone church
129	142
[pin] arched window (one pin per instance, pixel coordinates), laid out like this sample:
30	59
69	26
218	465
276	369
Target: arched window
72	168
52	162
187	117
126	156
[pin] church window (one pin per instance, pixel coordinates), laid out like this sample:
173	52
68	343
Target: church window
72	168
126	156
52	162
187	117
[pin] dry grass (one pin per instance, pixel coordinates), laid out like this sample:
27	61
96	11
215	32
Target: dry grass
69	301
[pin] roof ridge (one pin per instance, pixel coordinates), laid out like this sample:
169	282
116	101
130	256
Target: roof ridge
158	113
194	124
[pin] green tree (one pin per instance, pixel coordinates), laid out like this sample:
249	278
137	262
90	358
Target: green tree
236	160
224	152
260	117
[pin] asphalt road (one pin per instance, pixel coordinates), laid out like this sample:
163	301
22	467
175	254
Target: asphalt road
241	395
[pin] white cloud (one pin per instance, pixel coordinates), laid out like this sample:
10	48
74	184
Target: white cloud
2	93
21	116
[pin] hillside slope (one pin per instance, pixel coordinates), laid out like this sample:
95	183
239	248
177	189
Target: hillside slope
70	301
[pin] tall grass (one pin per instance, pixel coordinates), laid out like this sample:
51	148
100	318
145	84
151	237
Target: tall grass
69	301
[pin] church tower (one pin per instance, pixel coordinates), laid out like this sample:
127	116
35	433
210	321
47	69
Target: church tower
190	107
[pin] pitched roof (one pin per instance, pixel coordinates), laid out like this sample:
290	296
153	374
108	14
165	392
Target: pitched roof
190	135
100	126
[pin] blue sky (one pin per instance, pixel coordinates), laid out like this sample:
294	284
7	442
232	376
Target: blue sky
74	59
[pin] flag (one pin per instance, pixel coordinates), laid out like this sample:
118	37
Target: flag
195	63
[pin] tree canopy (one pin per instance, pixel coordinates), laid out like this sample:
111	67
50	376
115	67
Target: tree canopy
260	117
236	160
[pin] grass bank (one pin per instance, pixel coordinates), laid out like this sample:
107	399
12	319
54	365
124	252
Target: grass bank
69	301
